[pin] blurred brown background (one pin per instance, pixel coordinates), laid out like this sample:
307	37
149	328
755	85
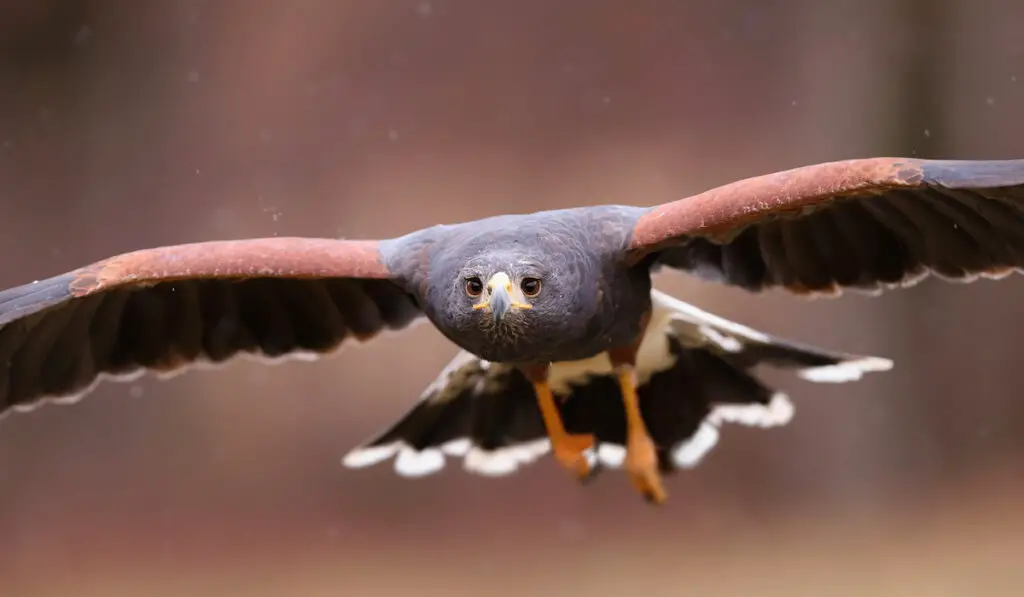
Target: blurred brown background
131	124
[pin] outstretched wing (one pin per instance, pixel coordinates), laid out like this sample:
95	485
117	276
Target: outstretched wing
167	308
869	224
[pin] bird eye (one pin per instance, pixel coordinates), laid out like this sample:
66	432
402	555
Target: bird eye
474	287
530	286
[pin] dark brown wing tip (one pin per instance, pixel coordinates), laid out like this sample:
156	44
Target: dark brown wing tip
723	210
22	301
277	257
964	174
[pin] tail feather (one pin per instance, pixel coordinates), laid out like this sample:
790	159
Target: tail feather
697	376
496	430
750	347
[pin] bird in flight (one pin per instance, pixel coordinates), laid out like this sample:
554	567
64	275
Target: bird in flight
564	346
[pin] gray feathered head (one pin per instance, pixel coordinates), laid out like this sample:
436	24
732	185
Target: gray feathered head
510	299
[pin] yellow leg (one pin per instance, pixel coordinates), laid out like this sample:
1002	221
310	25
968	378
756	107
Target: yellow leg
567	448
641	456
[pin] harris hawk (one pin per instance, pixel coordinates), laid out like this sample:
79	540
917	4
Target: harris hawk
565	347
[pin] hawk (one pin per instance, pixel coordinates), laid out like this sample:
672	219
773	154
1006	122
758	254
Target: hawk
564	346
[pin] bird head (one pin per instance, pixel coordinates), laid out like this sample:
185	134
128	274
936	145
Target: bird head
512	298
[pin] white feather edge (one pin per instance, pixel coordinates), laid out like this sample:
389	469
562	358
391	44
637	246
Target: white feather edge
692	326
851	370
507	460
200	364
699	326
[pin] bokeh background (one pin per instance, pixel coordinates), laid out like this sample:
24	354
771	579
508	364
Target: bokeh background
131	124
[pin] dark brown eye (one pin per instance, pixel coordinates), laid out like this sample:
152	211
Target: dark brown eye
474	287
530	286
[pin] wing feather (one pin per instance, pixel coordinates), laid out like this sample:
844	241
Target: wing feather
868	224
168	308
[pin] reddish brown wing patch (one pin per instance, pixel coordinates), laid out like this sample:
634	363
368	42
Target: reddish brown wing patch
168	308
250	258
723	210
868	224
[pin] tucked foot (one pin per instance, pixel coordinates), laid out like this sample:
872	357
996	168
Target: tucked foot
641	456
642	466
570	451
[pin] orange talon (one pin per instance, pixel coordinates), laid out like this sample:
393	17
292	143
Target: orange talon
568	449
641	456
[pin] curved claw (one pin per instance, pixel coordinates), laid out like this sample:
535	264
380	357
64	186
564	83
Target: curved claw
595	469
648	482
571	452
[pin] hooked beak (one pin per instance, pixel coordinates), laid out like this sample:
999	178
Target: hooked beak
500	301
501	297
